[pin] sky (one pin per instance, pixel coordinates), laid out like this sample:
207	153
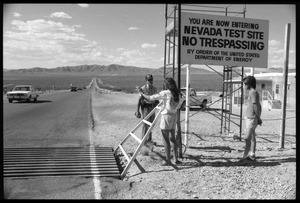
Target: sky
56	35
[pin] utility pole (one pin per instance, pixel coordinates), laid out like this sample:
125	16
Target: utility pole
285	77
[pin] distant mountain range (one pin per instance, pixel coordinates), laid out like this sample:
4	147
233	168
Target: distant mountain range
120	69
102	69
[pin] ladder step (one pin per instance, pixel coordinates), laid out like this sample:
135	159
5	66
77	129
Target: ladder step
132	158
147	122
125	154
135	137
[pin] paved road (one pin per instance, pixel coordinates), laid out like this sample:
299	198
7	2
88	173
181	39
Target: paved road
60	119
56	120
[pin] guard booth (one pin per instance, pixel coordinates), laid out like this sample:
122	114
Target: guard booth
216	37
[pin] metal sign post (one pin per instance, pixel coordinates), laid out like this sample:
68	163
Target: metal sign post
187	106
285	77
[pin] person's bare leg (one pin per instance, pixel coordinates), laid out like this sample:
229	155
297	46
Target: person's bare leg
253	145
174	146
165	134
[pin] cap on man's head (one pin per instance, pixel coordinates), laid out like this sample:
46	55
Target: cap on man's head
149	77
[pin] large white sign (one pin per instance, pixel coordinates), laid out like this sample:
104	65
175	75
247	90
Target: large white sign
226	41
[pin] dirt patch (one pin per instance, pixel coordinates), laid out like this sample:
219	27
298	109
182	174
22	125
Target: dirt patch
210	168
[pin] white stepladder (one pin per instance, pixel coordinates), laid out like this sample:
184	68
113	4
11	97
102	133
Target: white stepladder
151	125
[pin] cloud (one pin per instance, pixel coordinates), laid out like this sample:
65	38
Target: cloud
276	54
17	14
47	41
132	53
275	50
274	43
75	26
83	5
146	45
60	15
41	26
120	49
135	58
140	61
133	28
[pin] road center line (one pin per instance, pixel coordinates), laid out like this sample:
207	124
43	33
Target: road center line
92	154
96	179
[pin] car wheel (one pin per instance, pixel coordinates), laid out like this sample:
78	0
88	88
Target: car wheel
29	99
10	100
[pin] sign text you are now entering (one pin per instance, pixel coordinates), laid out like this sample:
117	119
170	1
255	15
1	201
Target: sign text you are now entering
221	40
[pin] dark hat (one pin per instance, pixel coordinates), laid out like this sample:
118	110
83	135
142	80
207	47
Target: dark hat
149	77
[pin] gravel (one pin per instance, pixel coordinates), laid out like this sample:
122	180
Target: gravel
209	169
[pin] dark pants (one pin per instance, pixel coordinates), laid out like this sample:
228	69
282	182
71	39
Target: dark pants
145	111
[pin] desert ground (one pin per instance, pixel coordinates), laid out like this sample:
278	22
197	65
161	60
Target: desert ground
210	167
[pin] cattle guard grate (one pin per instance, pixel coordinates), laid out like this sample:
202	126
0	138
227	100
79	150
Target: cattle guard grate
63	161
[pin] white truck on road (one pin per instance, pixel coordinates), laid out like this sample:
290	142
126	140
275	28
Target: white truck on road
22	92
197	99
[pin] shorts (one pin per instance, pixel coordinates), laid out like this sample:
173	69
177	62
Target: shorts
250	124
168	121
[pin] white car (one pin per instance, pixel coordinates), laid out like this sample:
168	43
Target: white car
196	100
22	92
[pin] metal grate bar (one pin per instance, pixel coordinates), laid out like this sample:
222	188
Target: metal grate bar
73	161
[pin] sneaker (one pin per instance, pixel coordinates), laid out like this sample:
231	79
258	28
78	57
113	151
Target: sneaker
177	162
151	142
164	163
251	158
243	161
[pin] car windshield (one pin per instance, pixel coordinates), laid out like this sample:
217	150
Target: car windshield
21	88
192	92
